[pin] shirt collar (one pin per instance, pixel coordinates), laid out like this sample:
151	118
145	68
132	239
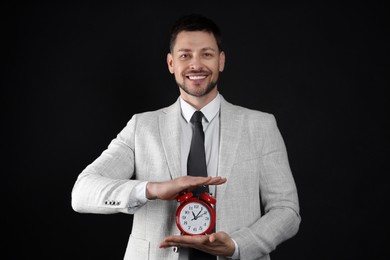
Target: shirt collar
209	111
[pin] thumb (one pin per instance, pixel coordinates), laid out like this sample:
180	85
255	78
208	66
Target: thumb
213	237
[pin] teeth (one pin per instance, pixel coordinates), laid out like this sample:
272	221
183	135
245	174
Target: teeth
196	77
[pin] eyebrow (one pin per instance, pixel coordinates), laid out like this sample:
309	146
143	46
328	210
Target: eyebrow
203	49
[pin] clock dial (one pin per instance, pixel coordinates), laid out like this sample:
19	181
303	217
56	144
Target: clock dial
195	218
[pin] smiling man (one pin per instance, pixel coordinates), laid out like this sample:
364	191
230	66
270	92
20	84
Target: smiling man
196	60
147	166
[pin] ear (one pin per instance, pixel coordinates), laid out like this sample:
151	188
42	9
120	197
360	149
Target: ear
170	63
221	61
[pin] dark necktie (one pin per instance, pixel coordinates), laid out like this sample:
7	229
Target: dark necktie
196	163
196	166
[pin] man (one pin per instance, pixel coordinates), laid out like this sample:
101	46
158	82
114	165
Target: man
144	168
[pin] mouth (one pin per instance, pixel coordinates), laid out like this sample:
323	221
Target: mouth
196	77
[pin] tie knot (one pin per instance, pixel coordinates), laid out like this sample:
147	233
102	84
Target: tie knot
197	117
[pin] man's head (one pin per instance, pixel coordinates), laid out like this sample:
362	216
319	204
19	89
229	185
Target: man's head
196	58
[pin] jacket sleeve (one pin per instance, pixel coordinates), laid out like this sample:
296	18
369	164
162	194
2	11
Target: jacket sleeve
105	186
279	198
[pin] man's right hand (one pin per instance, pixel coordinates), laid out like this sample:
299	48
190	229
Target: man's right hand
169	190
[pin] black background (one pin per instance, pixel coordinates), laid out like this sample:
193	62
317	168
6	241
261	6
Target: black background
74	73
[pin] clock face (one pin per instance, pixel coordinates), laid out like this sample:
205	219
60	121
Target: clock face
195	218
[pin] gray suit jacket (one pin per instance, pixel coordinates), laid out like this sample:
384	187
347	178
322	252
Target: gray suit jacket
258	206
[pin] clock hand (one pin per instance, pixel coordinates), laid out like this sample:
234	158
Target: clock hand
204	213
195	217
199	213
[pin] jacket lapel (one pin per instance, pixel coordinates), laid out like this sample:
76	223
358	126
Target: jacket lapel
170	134
230	133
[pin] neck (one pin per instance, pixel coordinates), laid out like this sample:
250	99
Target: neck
199	102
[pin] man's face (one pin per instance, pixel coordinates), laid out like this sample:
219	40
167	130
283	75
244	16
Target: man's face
196	62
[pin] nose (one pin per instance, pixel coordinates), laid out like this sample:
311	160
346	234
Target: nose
196	63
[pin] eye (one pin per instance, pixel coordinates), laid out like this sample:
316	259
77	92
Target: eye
184	56
208	55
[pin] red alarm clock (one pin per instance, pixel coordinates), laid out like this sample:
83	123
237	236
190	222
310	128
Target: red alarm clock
195	216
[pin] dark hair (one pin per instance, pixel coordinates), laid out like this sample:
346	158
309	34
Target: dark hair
195	22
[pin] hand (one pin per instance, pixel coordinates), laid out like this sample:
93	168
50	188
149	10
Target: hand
169	190
218	243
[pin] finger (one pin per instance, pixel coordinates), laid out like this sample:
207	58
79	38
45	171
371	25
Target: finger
169	242
172	244
213	237
192	181
172	239
216	181
198	181
183	241
186	239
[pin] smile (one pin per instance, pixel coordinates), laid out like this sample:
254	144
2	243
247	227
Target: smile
196	77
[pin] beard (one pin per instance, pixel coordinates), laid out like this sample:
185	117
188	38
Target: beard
198	92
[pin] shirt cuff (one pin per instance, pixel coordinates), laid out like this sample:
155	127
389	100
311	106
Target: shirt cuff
139	192
236	254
